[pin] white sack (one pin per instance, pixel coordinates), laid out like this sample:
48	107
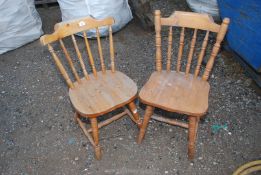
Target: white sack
205	6
98	9
19	24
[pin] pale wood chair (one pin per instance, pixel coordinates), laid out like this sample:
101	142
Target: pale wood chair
97	93
177	91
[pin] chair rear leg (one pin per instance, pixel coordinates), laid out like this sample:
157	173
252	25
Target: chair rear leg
147	116
192	136
135	113
95	134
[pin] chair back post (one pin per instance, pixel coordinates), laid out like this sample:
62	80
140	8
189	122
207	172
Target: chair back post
79	55
60	67
201	54
220	36
89	53
158	40
191	51
169	53
112	55
181	46
100	50
69	59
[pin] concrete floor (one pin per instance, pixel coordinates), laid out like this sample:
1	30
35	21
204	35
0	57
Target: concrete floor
38	134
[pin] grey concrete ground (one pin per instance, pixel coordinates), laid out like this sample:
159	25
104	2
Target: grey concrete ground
38	134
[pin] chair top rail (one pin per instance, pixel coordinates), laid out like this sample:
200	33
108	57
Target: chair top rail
67	28
191	20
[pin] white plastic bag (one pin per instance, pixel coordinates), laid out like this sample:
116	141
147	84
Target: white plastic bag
98	9
205	6
19	24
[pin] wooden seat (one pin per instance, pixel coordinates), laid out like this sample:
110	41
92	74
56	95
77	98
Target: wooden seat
96	93
180	91
175	92
110	91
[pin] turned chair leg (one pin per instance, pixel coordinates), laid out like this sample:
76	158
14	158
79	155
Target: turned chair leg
192	136
148	112
135	114
95	134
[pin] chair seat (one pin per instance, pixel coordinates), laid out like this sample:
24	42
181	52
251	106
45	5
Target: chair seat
103	94
176	92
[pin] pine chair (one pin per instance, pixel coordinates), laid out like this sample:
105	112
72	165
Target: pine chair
97	93
177	91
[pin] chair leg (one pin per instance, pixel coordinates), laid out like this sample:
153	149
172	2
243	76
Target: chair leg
95	134
75	116
135	113
192	136
147	116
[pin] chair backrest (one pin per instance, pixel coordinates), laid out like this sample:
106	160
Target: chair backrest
194	21
65	29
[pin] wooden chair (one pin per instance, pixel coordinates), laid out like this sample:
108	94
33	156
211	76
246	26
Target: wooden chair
99	92
177	91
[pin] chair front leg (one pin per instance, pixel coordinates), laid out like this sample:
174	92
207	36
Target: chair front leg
192	136
76	116
148	112
95	134
135	114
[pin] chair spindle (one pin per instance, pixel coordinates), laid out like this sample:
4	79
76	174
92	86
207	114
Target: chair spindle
191	51
201	54
89	54
60	67
80	57
69	59
220	37
100	50
169	49
181	46
111	50
158	40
